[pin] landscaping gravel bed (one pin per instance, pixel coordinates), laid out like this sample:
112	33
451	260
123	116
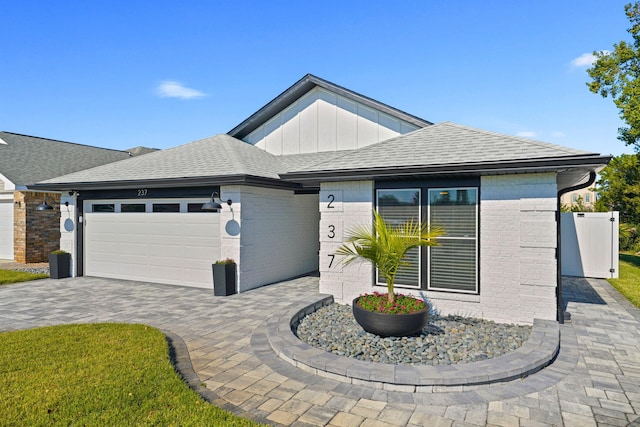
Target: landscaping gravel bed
38	268
445	340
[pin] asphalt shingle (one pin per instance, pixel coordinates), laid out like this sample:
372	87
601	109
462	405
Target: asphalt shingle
220	155
443	144
28	159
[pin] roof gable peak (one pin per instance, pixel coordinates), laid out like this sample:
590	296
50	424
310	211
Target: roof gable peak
303	86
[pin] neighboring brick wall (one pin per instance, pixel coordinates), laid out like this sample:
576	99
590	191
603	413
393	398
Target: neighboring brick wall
278	234
351	205
36	234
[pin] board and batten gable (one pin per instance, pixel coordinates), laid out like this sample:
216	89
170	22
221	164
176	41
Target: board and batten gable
323	121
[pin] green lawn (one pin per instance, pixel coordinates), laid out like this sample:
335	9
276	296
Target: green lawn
10	276
97	374
628	283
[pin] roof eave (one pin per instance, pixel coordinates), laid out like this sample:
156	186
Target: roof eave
304	85
251	180
485	168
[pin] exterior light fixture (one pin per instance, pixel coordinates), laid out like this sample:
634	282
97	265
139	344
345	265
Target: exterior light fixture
212	205
44	206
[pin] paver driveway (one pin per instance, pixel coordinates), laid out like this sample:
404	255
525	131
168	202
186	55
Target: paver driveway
594	381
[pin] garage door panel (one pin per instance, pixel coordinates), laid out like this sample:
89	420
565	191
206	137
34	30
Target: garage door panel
173	248
196	249
119	270
6	229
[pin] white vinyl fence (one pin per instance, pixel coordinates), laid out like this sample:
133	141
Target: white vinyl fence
589	244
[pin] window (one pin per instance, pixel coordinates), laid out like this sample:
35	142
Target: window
103	207
574	198
453	265
195	207
587	198
132	207
166	207
398	207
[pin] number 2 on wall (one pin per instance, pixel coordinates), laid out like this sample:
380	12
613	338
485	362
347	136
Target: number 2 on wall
331	198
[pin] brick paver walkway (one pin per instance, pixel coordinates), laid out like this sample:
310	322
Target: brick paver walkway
594	381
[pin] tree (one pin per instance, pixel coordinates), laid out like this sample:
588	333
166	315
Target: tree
619	188
617	74
386	246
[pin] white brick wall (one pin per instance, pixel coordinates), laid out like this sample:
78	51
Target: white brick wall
68	228
272	234
517	248
343	205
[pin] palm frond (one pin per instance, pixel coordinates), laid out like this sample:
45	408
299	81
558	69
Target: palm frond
386	246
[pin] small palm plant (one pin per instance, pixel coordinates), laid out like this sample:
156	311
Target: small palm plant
386	246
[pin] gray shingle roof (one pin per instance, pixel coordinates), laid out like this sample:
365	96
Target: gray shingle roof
223	158
217	156
443	144
28	159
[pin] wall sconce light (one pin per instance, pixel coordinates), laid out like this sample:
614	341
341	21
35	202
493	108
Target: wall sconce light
212	205
18	203
44	206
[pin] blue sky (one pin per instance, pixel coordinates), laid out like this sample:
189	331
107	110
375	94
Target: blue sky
163	73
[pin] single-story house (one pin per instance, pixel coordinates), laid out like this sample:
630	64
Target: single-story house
310	165
26	235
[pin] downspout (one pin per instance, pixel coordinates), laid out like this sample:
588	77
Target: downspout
590	181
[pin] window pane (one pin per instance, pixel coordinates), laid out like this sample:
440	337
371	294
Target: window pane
398	207
455	210
132	207
103	207
195	207
453	265
166	207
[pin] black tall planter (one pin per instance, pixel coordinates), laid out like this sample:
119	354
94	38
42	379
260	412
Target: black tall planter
390	325
59	266
224	279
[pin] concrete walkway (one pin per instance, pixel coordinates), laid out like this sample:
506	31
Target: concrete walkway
595	379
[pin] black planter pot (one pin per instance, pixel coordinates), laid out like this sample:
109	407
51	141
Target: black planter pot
59	266
390	325
224	279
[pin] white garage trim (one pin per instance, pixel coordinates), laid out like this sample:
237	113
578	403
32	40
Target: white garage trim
163	247
6	229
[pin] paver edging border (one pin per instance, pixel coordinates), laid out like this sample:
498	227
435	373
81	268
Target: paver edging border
536	353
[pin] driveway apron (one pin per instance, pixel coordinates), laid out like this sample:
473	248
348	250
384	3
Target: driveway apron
225	355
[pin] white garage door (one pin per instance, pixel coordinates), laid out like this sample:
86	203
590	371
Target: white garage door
6	229
161	247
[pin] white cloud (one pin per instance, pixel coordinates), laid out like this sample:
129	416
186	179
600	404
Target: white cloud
586	59
526	134
172	89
